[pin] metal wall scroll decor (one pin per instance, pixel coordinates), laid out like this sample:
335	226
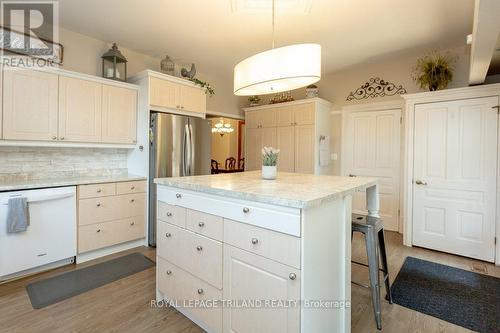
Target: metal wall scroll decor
376	87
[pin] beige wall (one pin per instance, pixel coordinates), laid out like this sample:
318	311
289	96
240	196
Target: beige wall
83	54
335	87
227	145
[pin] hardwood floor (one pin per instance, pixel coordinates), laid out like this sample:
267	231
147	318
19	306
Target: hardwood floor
125	305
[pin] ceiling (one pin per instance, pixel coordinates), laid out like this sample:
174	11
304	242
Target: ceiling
217	34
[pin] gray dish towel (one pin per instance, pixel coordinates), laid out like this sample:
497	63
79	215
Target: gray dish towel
18	216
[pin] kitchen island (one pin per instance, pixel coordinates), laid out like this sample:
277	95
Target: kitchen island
236	253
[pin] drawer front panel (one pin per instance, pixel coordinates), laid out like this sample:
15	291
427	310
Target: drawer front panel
96	190
270	244
131	187
169	243
177	284
97	210
205	224
172	214
282	219
203	258
91	237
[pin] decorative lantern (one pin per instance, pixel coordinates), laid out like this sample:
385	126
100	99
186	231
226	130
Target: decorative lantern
114	64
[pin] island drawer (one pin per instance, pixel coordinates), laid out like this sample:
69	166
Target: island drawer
131	187
197	254
205	224
273	245
96	190
278	218
172	214
184	288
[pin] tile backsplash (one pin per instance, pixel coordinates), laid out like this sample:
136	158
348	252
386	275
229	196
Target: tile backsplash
25	163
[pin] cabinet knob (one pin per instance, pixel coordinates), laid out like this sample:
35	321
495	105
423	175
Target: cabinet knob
132	187
200	291
169	272
169	214
419	182
201	224
199	248
182	107
246	210
61	138
178	195
255	241
132	223
98	230
168	235
292	276
99	190
99	204
178	106
132	200
54	138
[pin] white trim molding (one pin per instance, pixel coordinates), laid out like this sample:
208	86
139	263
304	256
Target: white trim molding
225	115
408	121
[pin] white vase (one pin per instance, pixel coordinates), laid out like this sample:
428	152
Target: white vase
269	172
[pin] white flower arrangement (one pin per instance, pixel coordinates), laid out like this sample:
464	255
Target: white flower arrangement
270	156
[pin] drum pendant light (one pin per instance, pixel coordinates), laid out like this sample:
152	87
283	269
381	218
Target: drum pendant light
279	69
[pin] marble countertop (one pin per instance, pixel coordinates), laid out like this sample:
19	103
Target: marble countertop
68	181
289	189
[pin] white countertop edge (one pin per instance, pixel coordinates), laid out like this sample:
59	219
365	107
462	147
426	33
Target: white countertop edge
71	181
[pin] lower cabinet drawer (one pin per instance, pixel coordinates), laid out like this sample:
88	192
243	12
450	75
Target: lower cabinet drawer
199	255
172	214
96	236
188	292
96	210
274	245
205	224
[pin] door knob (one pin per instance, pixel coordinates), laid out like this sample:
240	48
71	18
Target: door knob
178	195
351	175
169	214
169	272
255	241
419	182
246	210
292	276
168	235
200	291
199	248
201	224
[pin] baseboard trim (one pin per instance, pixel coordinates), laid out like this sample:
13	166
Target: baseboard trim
91	255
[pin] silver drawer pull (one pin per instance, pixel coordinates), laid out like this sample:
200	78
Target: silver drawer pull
98	204
178	195
132	200
200	291
169	272
292	276
98	230
132	223
168	235
169	214
132	188
255	241
201	224
99	191
246	210
199	248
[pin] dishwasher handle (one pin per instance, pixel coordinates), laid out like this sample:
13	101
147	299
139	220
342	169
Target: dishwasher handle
41	198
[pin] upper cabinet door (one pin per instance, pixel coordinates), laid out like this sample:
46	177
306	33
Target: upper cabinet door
285	143
30	105
303	114
267	118
193	99
304	149
119	115
164	93
284	116
252	119
80	108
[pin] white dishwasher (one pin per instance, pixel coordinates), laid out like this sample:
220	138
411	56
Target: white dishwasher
50	239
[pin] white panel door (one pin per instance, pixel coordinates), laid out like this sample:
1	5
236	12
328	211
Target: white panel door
285	142
304	149
372	149
454	191
119	115
253	159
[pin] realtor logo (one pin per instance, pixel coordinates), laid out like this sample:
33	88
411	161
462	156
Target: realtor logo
31	29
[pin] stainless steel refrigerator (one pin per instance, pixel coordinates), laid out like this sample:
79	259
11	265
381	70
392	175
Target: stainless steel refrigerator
179	146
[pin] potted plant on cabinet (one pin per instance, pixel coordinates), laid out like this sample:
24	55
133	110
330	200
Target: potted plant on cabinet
269	162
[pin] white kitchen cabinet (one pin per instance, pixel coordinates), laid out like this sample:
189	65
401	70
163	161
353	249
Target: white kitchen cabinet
250	277
80	110
119	115
295	128
167	92
30	105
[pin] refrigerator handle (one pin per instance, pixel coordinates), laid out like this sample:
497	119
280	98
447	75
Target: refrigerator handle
191	152
184	151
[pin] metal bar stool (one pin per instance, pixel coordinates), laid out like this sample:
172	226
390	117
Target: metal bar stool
373	230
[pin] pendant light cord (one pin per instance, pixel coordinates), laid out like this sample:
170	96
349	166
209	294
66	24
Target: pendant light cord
273	24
